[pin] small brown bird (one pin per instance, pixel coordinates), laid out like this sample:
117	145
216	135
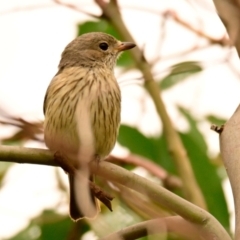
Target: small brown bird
82	111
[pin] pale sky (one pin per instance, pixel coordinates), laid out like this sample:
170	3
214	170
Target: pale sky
31	43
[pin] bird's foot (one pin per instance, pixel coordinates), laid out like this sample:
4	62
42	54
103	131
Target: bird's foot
101	195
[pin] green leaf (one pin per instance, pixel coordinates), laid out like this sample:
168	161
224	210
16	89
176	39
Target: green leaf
4	166
50	225
194	133
208	180
179	72
206	173
216	120
137	143
106	27
164	158
154	149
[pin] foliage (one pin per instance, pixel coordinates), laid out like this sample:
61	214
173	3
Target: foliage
50	225
179	72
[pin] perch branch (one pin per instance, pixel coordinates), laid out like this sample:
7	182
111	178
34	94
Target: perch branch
190	212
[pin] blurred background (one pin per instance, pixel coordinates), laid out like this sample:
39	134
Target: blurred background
196	70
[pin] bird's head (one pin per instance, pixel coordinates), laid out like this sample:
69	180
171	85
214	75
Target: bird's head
93	49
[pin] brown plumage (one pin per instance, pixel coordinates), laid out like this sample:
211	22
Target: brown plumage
82	111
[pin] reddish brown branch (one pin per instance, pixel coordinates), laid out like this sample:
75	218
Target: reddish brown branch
75	8
224	41
169	180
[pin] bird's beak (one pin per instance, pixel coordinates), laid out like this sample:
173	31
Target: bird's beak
125	46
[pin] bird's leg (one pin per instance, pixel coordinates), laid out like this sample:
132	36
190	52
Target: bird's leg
97	158
101	195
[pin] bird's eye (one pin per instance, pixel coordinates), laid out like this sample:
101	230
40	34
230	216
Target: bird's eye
103	46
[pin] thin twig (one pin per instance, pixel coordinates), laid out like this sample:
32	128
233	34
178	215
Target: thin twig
168	179
224	41
229	13
26	8
75	8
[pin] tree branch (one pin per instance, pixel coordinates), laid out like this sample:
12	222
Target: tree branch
75	8
27	155
158	226
142	205
224	41
169	181
230	151
229	13
175	146
207	223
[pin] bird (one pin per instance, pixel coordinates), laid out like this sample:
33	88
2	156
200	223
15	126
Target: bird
82	108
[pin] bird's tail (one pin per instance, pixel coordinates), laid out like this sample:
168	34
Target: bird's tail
91	208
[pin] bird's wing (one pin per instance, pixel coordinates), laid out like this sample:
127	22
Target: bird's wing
46	94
